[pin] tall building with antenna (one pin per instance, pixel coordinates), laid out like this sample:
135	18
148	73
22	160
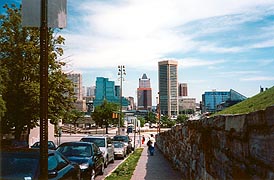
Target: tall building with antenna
144	94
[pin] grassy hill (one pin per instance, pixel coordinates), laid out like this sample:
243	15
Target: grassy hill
257	102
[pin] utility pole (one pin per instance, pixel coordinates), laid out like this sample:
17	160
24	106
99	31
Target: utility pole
44	91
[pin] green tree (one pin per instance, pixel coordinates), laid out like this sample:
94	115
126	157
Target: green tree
166	122
102	114
151	117
181	118
20	56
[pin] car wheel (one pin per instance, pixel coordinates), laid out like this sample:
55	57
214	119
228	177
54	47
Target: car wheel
106	163
92	174
112	160
102	169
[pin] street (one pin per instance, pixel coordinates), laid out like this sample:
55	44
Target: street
67	137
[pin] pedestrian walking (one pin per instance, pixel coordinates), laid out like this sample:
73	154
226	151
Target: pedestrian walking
151	144
143	139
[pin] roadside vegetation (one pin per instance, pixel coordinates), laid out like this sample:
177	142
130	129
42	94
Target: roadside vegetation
258	102
126	169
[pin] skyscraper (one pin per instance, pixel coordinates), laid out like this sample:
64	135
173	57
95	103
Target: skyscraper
144	93
168	87
107	90
183	89
76	79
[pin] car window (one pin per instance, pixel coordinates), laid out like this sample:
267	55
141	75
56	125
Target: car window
95	149
61	162
100	142
118	145
75	150
52	162
121	138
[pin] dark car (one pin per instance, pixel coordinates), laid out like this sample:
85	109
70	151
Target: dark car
126	140
87	155
25	164
51	145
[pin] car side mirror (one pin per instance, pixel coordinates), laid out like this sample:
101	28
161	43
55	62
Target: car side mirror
109	145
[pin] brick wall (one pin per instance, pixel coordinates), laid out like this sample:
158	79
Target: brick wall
223	147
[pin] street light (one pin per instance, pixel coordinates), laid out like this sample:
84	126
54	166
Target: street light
121	72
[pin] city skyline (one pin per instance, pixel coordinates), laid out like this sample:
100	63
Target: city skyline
218	45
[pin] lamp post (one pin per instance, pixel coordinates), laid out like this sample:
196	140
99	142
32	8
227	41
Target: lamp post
121	72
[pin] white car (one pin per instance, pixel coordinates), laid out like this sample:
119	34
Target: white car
105	144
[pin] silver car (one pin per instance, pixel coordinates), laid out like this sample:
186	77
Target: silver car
120	150
105	144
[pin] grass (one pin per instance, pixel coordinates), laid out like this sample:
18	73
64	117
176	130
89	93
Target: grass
126	169
255	103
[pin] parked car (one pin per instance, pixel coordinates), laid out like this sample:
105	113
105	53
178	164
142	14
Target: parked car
126	140
25	164
87	155
120	150
51	145
105	144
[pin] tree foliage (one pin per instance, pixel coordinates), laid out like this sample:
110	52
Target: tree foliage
102	114
151	117
166	122
19	58
181	118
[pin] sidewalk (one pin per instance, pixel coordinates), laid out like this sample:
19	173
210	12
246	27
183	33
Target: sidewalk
154	168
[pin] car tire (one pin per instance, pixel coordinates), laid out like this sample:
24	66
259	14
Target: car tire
106	163
112	160
102	169
92	174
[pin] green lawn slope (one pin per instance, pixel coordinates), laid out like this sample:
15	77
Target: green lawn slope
255	103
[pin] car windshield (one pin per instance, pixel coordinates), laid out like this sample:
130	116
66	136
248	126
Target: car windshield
118	145
18	166
100	142
121	138
50	144
75	150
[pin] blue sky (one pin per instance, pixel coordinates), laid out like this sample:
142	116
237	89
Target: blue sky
219	45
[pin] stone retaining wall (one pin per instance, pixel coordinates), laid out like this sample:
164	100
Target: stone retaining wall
223	147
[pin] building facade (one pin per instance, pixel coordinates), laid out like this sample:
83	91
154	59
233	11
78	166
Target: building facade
107	90
213	101
186	104
144	94
76	79
168	87
182	89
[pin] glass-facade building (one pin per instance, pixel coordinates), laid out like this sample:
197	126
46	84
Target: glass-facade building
168	87
107	90
213	101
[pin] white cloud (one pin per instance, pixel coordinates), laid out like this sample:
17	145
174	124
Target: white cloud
258	78
126	32
188	62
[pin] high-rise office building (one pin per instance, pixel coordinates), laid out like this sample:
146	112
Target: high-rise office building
106	90
144	93
168	87
76	79
182	89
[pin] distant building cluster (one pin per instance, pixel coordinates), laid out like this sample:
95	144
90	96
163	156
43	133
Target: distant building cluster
172	96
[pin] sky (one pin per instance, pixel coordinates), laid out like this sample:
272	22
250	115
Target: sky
219	45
